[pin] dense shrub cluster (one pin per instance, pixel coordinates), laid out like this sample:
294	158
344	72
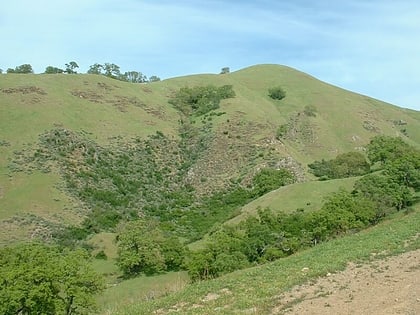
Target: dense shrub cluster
344	165
271	236
276	93
144	248
200	100
41	279
147	177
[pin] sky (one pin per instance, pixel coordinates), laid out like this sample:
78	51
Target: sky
367	46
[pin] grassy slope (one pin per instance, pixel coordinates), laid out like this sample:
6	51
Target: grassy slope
256	290
103	108
308	196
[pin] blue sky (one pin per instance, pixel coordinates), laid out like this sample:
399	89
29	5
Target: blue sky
370	47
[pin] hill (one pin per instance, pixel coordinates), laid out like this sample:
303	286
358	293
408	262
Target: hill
271	288
160	177
210	152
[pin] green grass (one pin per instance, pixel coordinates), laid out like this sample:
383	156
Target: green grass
244	140
119	295
256	290
308	196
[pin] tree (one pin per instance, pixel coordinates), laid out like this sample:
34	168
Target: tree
154	78
144	248
71	67
225	70
23	69
344	165
53	70
95	69
111	70
385	148
200	100
270	179
276	93
134	77
41	279
405	170
386	192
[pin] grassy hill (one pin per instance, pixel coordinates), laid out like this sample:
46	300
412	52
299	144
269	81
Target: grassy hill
241	137
87	150
260	290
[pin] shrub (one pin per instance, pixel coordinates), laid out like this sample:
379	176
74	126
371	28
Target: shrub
282	131
200	100
144	248
344	165
276	93
269	179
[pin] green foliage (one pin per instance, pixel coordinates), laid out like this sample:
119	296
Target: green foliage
344	165
387	193
113	71
385	148
276	93
225	70
270	236
101	255
38	279
222	255
22	69
71	67
269	179
144	248
282	131
405	170
393	188
154	78
200	100
53	70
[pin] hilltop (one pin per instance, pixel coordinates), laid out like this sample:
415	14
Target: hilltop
240	137
208	173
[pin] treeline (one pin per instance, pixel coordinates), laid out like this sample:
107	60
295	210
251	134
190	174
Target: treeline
110	70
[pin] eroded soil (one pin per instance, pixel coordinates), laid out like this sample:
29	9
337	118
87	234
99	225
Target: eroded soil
387	286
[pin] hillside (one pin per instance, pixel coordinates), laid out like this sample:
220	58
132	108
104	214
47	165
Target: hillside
169	183
311	281
230	144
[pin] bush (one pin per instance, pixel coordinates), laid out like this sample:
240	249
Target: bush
385	148
41	279
276	93
269	179
144	248
281	131
344	165
200	100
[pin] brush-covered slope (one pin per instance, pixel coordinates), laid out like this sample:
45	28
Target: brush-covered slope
89	117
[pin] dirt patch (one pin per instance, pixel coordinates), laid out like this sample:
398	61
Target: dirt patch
24	90
389	286
29	94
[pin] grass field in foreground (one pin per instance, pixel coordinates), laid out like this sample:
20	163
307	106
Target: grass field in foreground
254	290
